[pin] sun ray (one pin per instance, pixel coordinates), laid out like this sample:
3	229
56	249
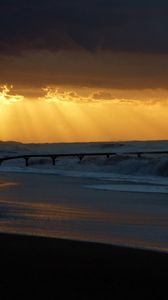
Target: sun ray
6	97
62	116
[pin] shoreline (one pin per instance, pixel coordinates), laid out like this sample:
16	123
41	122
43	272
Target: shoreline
38	267
63	207
48	266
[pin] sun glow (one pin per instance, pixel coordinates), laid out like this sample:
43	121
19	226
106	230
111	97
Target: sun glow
6	97
59	116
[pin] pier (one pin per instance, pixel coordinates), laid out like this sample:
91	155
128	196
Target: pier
80	156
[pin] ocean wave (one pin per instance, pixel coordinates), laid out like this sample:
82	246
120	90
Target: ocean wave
118	164
147	165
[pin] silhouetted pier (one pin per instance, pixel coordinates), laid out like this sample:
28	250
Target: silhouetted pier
80	156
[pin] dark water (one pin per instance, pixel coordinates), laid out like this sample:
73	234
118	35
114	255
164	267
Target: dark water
63	207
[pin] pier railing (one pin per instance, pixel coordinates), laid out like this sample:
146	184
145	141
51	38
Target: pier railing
53	157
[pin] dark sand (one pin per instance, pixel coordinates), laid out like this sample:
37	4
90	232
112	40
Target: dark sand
36	268
51	268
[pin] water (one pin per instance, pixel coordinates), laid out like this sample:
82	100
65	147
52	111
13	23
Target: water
149	169
121	200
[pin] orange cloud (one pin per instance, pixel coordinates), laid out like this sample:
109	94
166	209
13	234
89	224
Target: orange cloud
6	97
97	95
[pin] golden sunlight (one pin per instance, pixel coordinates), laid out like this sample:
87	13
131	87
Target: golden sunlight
67	115
6	97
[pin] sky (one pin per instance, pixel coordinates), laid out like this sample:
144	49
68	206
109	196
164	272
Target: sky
79	70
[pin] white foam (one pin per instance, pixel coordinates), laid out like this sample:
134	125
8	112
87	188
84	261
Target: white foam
130	188
131	171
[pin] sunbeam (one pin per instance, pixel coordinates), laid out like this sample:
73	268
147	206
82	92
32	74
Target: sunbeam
73	116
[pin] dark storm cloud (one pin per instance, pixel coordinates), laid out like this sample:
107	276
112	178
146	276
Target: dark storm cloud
117	25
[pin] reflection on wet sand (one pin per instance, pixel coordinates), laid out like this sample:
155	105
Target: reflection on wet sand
4	184
63	220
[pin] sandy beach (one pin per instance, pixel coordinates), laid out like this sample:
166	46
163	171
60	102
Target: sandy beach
36	267
62	240
64	207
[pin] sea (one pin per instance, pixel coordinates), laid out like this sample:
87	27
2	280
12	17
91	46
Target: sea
149	173
120	199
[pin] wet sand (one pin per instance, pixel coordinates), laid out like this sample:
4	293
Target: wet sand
34	267
63	207
37	267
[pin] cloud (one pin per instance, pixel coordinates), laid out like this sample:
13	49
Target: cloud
132	26
6	97
57	95
102	96
83	95
95	96
84	69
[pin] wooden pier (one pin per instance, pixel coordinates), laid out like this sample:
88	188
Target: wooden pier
80	156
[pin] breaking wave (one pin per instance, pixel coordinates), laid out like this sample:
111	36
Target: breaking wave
153	165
